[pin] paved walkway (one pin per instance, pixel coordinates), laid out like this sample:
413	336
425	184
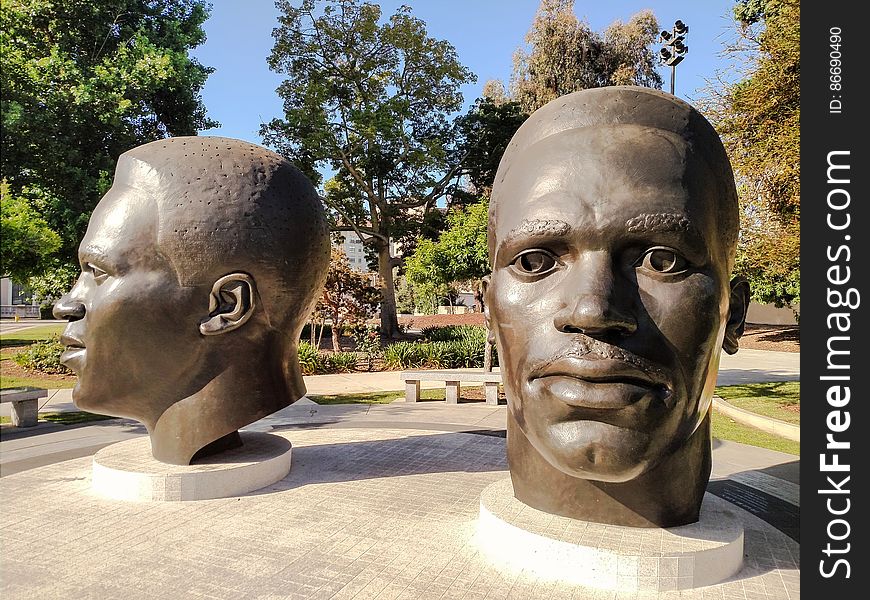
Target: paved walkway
380	502
365	513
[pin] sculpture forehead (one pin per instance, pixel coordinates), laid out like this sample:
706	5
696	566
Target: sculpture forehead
611	105
609	155
121	224
605	173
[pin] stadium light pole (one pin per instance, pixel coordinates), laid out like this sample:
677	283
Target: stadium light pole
674	49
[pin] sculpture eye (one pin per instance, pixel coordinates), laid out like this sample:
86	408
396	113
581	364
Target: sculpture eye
534	262
663	260
99	274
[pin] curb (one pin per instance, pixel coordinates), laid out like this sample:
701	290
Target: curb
768	424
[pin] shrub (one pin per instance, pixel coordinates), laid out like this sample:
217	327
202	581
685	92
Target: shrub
314	362
341	362
469	352
368	342
437	355
310	360
451	333
403	355
42	356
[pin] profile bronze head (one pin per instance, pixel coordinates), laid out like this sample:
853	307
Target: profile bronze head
612	234
199	268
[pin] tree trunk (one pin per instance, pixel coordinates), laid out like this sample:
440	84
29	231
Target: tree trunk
336	333
320	333
389	320
478	298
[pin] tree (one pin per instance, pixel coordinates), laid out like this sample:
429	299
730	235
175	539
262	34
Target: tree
459	255
565	55
483	135
758	119
27	242
83	82
368	100
347	297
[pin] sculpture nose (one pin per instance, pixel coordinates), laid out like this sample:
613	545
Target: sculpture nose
596	302
68	308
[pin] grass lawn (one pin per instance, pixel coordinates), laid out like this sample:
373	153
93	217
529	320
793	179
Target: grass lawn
35	381
65	418
780	400
11	375
727	429
32	334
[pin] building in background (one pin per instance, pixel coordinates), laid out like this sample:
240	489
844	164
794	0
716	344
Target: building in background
354	250
16	301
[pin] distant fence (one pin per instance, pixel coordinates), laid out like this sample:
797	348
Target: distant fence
24	311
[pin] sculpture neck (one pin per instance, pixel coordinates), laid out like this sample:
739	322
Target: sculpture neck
238	396
667	495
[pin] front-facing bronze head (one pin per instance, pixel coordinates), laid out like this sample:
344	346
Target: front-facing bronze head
199	268
613	226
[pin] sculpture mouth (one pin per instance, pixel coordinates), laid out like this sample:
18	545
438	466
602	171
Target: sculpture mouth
74	354
599	383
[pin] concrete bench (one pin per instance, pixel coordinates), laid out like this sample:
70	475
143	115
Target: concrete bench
25	404
452	379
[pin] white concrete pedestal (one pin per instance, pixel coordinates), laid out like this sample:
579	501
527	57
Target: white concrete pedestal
514	536
128	471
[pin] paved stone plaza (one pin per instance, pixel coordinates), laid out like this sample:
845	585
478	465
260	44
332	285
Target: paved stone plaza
364	513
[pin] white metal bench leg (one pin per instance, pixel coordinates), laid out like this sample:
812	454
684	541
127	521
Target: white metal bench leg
491	390
412	390
452	392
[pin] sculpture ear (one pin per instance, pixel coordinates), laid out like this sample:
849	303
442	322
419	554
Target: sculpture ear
490	334
230	304
738	305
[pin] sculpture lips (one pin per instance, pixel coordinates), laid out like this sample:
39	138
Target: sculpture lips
70	341
74	353
599	383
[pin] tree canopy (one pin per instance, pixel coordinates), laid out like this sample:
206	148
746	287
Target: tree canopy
370	100
459	254
483	134
26	240
758	118
83	82
564	55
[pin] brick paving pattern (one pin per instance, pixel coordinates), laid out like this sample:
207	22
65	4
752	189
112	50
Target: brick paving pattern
364	513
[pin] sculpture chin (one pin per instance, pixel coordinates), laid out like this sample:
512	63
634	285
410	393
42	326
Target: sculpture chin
594	450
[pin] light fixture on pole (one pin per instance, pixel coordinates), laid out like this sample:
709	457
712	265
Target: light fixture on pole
674	49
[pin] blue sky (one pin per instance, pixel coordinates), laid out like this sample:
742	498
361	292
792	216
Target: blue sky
241	92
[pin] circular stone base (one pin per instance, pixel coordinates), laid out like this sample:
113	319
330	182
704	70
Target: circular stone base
128	471
515	536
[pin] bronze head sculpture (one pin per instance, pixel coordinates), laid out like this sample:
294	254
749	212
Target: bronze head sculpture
199	268
612	233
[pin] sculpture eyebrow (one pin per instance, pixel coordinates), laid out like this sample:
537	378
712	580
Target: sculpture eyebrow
539	227
93	253
661	223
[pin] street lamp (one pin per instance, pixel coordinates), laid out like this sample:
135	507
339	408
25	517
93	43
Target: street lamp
674	49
